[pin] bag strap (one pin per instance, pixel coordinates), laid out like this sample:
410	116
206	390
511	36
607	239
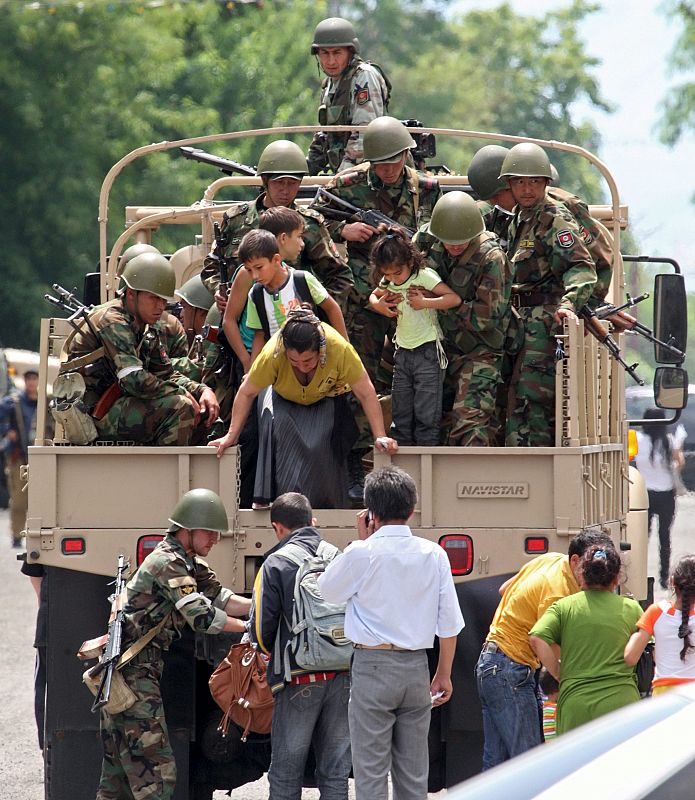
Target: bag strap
302	287
258	298
141	643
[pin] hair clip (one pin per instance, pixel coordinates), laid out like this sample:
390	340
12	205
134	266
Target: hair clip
599	555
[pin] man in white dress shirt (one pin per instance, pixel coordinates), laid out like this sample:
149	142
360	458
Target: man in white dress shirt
400	595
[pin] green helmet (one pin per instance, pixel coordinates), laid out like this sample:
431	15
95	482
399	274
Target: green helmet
484	170
195	293
335	32
200	509
385	138
150	272
283	158
555	180
132	251
526	160
456	219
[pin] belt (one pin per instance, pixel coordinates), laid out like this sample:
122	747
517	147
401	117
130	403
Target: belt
312	677
381	647
491	647
529	299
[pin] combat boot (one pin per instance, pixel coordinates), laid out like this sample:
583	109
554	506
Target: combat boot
355	478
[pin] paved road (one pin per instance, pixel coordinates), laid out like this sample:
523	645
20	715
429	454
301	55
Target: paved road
21	766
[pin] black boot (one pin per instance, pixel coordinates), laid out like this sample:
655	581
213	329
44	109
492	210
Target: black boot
355	478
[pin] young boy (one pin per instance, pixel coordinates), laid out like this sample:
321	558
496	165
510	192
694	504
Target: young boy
279	287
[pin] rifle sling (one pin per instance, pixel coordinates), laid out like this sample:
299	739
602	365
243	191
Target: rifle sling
141	643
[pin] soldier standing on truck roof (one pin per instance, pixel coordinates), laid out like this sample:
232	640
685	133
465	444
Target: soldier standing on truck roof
354	92
471	261
172	588
554	276
383	182
282	166
132	389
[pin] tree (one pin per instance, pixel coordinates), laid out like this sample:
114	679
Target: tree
679	111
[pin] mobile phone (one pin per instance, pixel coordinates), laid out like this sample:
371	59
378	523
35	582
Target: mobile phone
369	519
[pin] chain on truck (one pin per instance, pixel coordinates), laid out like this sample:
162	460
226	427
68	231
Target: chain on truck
491	509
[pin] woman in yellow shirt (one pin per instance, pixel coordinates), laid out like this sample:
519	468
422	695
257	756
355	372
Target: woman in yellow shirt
306	427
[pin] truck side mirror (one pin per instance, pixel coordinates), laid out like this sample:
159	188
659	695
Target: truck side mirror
670	387
670	317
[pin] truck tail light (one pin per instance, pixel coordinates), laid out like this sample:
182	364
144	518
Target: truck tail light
73	546
146	545
535	545
459	549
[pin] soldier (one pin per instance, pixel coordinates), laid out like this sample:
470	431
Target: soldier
495	198
470	260
554	276
281	167
196	301
172	588
385	183
354	92
132	389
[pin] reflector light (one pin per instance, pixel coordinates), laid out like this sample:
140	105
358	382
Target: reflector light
459	549
146	545
631	444
75	546
536	544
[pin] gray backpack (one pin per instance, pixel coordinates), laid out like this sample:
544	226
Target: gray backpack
317	628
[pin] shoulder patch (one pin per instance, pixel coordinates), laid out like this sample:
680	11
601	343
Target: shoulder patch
362	95
586	235
565	238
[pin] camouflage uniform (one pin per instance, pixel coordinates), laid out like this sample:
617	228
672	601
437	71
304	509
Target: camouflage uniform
596	239
552	270
408	202
153	407
319	256
176	344
360	95
473	334
138	759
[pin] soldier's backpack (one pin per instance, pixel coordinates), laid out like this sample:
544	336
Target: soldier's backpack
317	628
240	688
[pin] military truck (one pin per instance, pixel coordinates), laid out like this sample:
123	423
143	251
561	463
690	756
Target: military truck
491	509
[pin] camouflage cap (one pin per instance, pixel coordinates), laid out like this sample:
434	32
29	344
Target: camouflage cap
200	509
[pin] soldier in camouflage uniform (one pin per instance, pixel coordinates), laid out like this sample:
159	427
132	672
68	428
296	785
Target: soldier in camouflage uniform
196	301
386	184
495	199
172	588
281	167
554	276
470	260
354	92
122	344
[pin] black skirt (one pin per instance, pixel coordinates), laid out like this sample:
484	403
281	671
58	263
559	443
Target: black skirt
304	449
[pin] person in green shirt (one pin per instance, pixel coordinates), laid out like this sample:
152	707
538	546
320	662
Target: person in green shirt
591	629
412	294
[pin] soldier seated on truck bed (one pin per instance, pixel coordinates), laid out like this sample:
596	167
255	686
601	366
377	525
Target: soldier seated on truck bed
133	392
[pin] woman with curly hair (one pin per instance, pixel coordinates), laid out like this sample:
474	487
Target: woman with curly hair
589	631
306	428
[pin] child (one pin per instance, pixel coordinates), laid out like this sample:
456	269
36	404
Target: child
670	625
279	287
419	360
551	689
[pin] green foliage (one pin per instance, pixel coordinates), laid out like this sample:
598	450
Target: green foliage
679	110
81	87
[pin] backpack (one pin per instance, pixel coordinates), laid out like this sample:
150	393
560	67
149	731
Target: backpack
240	688
317	628
258	298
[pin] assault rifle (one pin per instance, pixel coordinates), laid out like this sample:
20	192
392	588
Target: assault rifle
225	165
78	310
594	326
109	660
347	211
608	310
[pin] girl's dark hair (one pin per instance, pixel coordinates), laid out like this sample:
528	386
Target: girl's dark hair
394	247
683	578
658	435
302	330
600	565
